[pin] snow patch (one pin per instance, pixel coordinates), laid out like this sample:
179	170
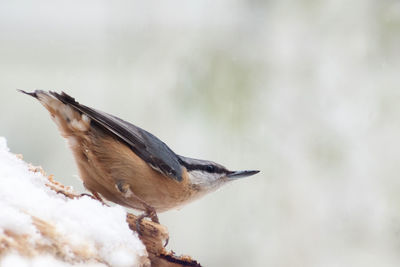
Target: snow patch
84	222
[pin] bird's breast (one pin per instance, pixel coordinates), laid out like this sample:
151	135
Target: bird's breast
108	162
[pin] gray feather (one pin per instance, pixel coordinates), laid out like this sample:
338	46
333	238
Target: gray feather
147	146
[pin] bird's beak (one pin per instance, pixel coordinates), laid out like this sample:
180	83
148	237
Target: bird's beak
241	174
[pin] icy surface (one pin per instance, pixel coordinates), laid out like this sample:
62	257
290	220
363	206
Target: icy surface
83	222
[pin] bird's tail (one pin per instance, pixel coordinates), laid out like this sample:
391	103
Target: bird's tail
69	120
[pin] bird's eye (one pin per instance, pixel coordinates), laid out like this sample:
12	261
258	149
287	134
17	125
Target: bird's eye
210	168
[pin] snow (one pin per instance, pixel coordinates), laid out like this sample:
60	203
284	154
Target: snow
83	223
16	260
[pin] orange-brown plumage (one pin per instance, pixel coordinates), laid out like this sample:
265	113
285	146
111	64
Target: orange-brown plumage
128	165
105	162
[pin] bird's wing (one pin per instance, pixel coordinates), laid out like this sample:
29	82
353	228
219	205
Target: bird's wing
147	146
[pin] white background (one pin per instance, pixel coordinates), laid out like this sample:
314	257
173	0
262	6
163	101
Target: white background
306	91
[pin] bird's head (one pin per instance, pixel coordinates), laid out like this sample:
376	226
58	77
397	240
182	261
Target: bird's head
208	175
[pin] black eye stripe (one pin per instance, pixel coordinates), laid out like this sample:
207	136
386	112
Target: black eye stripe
207	168
210	168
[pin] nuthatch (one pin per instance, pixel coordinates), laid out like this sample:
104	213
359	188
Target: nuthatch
128	165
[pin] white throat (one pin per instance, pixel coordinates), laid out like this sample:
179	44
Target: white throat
205	180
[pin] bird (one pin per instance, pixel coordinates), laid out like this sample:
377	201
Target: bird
125	164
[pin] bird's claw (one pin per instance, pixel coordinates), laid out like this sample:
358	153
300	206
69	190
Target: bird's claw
149	213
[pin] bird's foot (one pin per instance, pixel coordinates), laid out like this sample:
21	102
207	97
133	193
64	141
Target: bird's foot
149	213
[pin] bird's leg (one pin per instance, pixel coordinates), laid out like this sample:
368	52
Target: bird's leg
149	211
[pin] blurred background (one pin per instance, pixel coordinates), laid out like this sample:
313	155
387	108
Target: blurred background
306	91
